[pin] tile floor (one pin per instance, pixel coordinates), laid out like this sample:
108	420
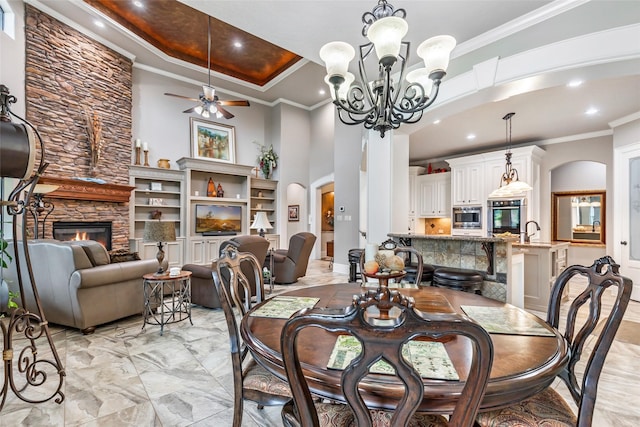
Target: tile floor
123	376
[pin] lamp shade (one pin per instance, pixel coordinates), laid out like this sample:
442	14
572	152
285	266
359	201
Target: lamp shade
44	188
436	51
421	76
386	35
343	88
159	231
336	56
261	222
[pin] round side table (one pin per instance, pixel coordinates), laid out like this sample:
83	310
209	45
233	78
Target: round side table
167	299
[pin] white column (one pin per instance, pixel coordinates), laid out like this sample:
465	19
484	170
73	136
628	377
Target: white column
387	185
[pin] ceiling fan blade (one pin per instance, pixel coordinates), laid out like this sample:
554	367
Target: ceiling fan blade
238	103
183	97
225	113
190	110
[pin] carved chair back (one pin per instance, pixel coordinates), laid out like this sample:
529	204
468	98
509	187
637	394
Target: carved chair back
602	275
384	340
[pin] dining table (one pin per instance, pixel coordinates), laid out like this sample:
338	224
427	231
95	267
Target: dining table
528	353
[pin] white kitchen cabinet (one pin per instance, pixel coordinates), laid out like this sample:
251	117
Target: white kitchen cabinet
414	172
434	195
467	184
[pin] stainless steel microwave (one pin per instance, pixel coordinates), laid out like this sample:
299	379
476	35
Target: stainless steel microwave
466	218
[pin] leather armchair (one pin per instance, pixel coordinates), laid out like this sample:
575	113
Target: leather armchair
203	292
291	264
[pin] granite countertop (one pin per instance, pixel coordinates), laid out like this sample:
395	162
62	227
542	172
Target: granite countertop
554	244
446	237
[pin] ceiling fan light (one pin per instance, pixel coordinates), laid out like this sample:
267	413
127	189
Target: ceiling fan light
218	114
436	52
205	113
421	76
344	87
198	109
209	92
213	108
386	35
336	56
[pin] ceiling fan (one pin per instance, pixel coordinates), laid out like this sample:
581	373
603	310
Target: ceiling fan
210	104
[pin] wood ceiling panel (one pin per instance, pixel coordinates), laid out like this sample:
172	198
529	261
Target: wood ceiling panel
181	32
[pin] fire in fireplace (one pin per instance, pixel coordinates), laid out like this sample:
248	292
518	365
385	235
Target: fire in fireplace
94	230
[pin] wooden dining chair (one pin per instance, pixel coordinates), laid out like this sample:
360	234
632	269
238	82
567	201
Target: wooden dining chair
548	407
383	340
250	380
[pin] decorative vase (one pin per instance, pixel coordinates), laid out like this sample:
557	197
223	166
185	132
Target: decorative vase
266	171
211	188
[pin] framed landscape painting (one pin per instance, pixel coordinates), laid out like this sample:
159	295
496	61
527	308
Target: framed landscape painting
212	141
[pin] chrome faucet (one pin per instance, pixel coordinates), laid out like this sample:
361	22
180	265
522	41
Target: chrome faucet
593	225
527	236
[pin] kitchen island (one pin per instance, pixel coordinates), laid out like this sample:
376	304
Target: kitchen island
543	262
490	256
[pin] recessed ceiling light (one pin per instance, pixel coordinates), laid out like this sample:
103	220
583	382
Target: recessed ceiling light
436	121
138	3
99	23
591	111
574	83
471	136
237	44
321	92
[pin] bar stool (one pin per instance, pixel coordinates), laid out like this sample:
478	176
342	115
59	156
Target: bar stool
458	279
354	262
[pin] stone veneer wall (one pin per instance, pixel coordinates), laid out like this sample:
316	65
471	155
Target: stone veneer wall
468	255
67	72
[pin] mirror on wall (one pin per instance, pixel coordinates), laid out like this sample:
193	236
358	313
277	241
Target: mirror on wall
578	216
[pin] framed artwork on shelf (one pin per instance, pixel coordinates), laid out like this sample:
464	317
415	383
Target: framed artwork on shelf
212	141
294	212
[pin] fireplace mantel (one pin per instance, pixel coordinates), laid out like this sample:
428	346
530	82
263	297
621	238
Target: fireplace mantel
74	189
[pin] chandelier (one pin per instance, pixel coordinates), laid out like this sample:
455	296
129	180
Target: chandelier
384	103
510	183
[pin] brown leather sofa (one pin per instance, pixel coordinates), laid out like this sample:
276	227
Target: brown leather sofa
78	285
203	291
291	264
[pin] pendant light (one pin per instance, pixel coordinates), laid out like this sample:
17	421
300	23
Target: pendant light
510	184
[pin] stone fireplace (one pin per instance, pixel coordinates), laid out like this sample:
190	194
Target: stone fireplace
100	231
68	76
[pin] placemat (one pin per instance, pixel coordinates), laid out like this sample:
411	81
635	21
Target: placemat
429	358
283	307
506	320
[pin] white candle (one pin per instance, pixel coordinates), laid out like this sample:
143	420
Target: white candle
145	146
370	251
138	142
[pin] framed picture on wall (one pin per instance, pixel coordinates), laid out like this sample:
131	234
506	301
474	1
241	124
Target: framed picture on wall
212	141
294	212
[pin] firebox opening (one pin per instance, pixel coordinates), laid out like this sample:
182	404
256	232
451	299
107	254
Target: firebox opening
94	230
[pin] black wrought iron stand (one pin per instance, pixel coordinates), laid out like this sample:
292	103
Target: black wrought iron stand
23	330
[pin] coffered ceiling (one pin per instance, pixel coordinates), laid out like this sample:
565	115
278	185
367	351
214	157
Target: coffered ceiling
279	60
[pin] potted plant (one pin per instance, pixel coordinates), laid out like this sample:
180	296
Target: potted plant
6	296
